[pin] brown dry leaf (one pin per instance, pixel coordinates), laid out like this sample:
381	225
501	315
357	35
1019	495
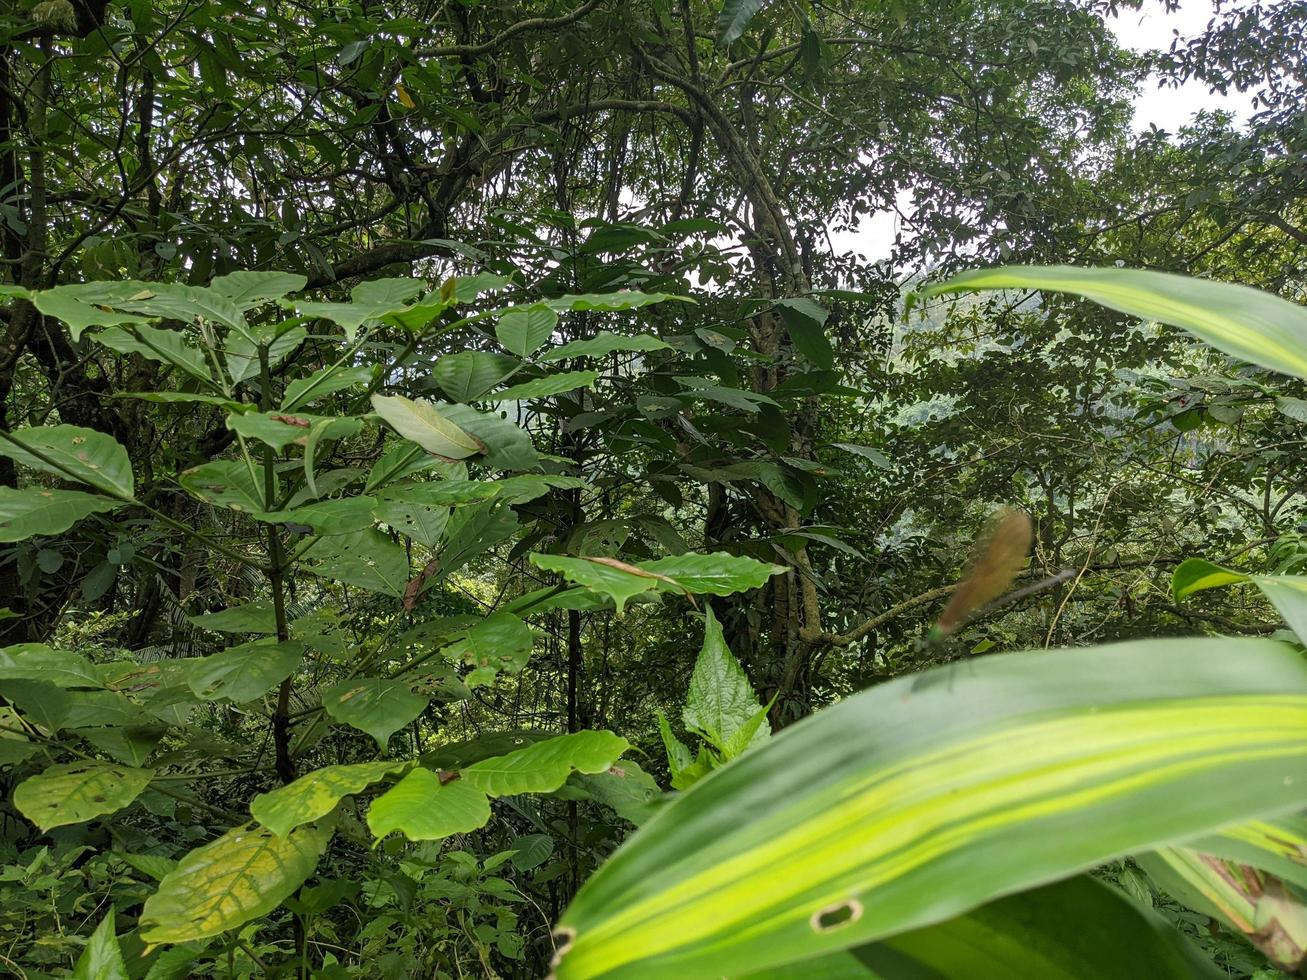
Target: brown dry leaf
1000	558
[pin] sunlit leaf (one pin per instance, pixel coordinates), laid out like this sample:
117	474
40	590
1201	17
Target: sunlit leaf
316	794
78	791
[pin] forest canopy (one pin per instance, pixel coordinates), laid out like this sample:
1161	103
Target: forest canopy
466	508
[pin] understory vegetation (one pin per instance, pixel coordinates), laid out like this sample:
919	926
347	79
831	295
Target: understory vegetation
475	502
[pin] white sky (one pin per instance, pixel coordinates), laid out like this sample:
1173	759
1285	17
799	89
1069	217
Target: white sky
1169	108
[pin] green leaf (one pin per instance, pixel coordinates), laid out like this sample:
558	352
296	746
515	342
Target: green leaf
368	559
925	797
1195	574
320	384
343	516
523	330
72	452
626	788
500	642
420	522
38	510
734	17
874	456
1071	930
617	580
243	673
252	617
102	959
721	703
376	705
506	446
544	766
423	806
531	851
530	486
280	429
246	290
420	422
469	374
244	874
80	305
164	346
368	301
603	344
550	384
623	299
38	662
716	573
226	483
806	320
315	795
1248	323
78	791
441	493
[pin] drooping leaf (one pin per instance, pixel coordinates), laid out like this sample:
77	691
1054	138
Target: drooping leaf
469	374
937	792
423	806
316	794
550	384
164	346
603	344
1250	324
500	642
78	791
523	330
38	662
244	874
716	573
1287	593
531	851
251	617
243	673
72	452
721	703
376	705
734	17
39	510
617	580
626	788
246	290
369	301
367	559
281	429
805	319
226	483
339	516
102	959
544	766
320	384
423	424
507	447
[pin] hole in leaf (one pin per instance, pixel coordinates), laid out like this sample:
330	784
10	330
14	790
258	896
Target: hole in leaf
836	916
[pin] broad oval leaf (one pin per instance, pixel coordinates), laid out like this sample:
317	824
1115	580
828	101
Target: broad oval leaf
245	873
41	510
78	791
244	672
523	330
38	662
604	343
74	453
366	558
1251	324
320	384
426	806
226	483
469	374
316	794
544	766
376	705
934	793
420	422
500	642
550	384
716	573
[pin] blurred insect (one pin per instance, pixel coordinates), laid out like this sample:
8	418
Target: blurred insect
999	559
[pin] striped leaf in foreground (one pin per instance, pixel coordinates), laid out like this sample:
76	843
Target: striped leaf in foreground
930	795
1068	930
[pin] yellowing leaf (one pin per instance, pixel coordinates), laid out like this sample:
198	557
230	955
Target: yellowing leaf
79	791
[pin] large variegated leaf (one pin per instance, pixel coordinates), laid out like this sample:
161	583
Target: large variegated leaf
245	873
1251	324
930	795
78	791
42	510
316	794
1071	930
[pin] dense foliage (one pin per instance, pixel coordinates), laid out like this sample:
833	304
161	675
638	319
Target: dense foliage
461	514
